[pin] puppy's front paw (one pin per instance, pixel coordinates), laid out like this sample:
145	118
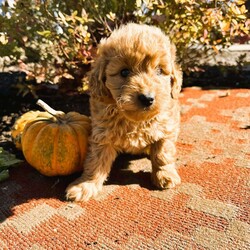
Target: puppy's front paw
82	191
164	179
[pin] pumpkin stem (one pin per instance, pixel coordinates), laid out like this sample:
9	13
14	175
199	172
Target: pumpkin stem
50	110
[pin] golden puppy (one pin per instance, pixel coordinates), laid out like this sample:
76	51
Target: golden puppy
134	85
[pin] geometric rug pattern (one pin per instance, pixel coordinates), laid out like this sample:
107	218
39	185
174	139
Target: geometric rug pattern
210	209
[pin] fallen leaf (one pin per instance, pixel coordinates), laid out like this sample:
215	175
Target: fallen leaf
7	160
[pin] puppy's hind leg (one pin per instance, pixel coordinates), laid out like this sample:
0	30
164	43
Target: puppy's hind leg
96	169
164	174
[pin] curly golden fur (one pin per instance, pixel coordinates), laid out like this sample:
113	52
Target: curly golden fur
134	87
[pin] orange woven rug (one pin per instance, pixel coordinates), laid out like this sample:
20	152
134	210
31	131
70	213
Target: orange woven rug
209	210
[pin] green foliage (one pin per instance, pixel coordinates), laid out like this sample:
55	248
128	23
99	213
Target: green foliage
6	161
54	40
190	22
47	34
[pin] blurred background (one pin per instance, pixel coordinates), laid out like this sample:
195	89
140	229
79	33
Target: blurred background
52	43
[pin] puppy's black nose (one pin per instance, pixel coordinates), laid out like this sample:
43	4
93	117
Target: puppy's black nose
146	100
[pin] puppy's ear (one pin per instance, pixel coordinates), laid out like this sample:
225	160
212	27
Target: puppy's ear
97	77
176	75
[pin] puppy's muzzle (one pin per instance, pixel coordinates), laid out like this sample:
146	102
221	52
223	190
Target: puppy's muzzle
146	100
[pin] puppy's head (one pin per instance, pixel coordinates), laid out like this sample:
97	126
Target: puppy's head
136	68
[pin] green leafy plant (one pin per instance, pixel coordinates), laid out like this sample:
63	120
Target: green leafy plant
46	39
196	26
7	160
55	41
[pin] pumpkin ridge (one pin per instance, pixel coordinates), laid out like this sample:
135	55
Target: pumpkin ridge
25	136
34	149
55	148
76	117
80	145
79	148
71	150
85	125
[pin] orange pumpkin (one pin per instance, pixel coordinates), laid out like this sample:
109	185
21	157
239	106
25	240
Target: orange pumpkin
18	127
56	145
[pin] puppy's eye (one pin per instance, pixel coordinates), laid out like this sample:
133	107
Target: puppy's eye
159	71
125	72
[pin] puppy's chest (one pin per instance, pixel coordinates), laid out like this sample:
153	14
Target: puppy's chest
134	137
